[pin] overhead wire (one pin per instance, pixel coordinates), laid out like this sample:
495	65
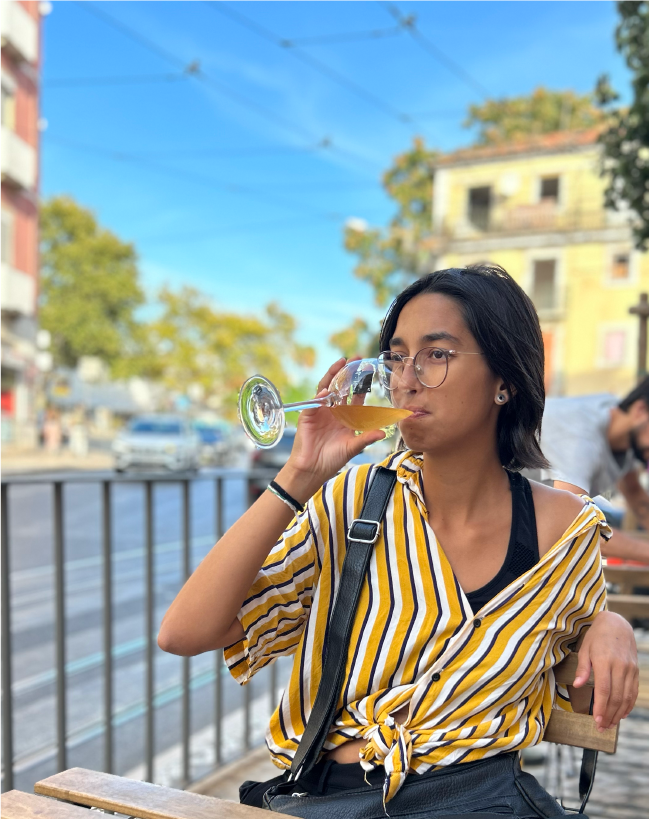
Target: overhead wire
259	193
346	37
199	74
316	64
73	82
409	23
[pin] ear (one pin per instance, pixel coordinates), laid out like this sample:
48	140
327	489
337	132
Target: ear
639	412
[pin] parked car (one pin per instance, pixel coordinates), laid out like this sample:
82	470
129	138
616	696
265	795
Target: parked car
214	443
166	441
274	459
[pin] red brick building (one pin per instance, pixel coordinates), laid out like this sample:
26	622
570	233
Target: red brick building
20	29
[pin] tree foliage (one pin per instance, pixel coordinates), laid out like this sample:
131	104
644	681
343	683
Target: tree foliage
541	112
626	142
198	344
389	257
90	289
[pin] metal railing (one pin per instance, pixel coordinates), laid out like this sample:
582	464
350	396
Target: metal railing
107	481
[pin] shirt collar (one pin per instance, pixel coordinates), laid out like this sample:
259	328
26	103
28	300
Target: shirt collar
409	467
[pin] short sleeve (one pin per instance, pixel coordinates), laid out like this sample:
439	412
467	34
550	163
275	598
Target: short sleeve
277	607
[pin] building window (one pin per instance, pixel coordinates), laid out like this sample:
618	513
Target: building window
544	284
479	207
614	348
621	267
550	189
7	237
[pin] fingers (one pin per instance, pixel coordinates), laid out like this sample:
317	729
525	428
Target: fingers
326	379
628	696
359	442
583	669
602	695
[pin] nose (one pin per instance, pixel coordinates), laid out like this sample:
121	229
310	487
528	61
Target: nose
408	380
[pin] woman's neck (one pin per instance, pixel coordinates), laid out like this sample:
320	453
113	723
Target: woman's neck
457	486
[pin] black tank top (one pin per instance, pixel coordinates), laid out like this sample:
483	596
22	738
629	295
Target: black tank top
523	549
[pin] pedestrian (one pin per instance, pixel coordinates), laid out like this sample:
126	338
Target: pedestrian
52	432
478	579
595	444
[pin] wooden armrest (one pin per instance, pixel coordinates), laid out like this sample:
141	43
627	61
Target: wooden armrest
19	805
580	730
566	671
140	799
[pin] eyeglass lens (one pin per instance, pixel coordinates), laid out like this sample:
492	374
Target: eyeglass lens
430	365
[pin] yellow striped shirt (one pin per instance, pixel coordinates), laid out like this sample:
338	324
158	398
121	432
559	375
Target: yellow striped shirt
476	685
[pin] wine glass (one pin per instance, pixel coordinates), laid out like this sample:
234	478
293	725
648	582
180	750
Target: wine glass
357	396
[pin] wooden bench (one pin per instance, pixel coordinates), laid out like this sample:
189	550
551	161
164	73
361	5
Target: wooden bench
79	787
627	578
633	607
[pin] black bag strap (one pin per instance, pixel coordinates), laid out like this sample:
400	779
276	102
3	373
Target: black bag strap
361	537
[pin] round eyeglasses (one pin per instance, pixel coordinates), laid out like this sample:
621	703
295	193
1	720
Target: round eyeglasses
430	366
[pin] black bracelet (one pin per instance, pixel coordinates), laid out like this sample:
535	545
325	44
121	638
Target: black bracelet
283	494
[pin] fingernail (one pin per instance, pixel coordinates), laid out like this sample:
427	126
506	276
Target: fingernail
598	719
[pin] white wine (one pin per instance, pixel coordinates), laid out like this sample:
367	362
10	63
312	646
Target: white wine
362	418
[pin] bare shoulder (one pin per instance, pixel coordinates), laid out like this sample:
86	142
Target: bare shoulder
555	510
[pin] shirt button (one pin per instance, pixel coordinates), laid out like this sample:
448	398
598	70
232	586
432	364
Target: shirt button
436	677
477	623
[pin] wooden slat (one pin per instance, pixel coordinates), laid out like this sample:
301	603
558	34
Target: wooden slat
140	799
566	671
19	805
580	730
630	606
627	577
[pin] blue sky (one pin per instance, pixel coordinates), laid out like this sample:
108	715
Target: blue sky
223	184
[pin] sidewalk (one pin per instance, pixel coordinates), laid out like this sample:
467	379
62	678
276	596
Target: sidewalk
16	460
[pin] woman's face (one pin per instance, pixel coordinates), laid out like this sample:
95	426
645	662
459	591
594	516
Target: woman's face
460	412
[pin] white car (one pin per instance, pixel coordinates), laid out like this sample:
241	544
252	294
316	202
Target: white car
166	441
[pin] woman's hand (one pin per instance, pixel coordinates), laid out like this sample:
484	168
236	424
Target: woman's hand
322	446
609	649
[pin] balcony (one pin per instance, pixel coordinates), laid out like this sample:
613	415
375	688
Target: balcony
19	31
544	217
18	291
17	161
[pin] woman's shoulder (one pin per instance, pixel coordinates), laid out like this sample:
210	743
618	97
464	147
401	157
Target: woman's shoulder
555	510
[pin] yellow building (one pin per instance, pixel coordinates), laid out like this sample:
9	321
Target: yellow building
536	208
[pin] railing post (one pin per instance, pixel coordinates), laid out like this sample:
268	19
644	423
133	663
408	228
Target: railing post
107	545
186	703
59	574
150	603
218	658
247	696
7	699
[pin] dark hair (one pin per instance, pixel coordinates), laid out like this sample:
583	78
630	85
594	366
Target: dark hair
503	321
640	393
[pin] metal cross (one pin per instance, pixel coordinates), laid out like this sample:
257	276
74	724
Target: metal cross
641	310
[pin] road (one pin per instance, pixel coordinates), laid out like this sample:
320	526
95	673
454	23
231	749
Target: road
33	611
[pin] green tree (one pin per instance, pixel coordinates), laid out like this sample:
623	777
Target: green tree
196	343
90	289
626	142
541	112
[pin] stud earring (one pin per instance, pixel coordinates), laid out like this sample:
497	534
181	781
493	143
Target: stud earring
501	398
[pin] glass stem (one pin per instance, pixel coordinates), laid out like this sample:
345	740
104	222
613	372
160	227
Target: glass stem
298	406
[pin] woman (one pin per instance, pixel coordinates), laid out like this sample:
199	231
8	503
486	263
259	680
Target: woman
476	586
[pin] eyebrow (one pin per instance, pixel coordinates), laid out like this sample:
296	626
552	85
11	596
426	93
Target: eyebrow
441	336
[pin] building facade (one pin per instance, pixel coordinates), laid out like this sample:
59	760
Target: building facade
537	208
20	29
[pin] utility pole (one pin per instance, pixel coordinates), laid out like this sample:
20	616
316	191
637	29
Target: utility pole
641	310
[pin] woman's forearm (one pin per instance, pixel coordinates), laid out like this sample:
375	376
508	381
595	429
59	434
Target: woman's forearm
203	616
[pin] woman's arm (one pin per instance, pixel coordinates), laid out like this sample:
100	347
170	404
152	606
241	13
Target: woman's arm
203	616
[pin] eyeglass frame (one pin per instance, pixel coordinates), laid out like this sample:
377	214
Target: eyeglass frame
413	358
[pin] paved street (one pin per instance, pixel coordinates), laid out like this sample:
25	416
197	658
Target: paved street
33	601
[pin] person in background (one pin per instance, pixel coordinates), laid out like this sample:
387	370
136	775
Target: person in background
594	444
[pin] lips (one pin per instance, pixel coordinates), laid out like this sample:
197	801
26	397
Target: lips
417	412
